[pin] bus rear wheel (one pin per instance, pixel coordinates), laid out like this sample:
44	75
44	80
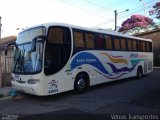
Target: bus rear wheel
139	72
81	83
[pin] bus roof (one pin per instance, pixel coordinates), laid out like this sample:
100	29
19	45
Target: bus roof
109	32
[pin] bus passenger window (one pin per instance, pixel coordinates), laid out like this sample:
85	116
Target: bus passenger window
108	42
89	40
78	39
148	47
100	41
129	43
56	36
143	47
123	43
58	49
116	43
134	45
139	46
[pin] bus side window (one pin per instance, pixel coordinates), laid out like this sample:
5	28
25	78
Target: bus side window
148	46
143	46
129	44
134	43
108	42
58	48
116	43
78	39
56	36
89	38
123	43
99	41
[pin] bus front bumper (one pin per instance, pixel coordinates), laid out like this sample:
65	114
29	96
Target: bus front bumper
33	89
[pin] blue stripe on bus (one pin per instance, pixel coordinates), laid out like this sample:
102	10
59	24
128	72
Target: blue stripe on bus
90	59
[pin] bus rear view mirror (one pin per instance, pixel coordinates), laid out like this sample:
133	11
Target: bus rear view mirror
34	41
33	44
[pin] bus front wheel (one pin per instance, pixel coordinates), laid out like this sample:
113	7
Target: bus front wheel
139	72
81	83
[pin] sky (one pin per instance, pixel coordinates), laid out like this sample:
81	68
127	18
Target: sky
88	13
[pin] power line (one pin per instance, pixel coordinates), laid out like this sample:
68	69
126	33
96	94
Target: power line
104	22
126	14
137	11
83	9
98	5
141	6
118	3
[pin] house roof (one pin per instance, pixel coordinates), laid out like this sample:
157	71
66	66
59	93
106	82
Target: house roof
6	40
147	32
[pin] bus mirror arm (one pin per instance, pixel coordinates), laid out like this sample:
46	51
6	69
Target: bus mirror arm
10	44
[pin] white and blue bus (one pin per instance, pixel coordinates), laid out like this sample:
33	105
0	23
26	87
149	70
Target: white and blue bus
53	58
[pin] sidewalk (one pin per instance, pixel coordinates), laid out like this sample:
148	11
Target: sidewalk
5	90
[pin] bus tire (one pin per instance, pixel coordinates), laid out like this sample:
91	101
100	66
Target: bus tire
81	83
139	72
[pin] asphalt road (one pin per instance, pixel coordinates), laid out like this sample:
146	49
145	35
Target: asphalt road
126	99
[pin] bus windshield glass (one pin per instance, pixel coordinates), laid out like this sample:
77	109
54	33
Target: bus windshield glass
25	60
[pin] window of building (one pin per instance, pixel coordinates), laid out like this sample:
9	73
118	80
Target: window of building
78	39
89	38
108	42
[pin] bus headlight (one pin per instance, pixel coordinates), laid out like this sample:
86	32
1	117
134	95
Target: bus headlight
33	81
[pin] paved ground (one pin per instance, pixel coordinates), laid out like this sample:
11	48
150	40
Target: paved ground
4	90
117	100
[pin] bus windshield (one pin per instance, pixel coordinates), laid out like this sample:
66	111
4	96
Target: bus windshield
25	60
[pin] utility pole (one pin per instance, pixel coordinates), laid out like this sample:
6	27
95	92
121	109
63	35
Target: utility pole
0	27
115	12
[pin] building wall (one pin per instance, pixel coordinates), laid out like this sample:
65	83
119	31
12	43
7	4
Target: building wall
155	36
6	67
6	62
